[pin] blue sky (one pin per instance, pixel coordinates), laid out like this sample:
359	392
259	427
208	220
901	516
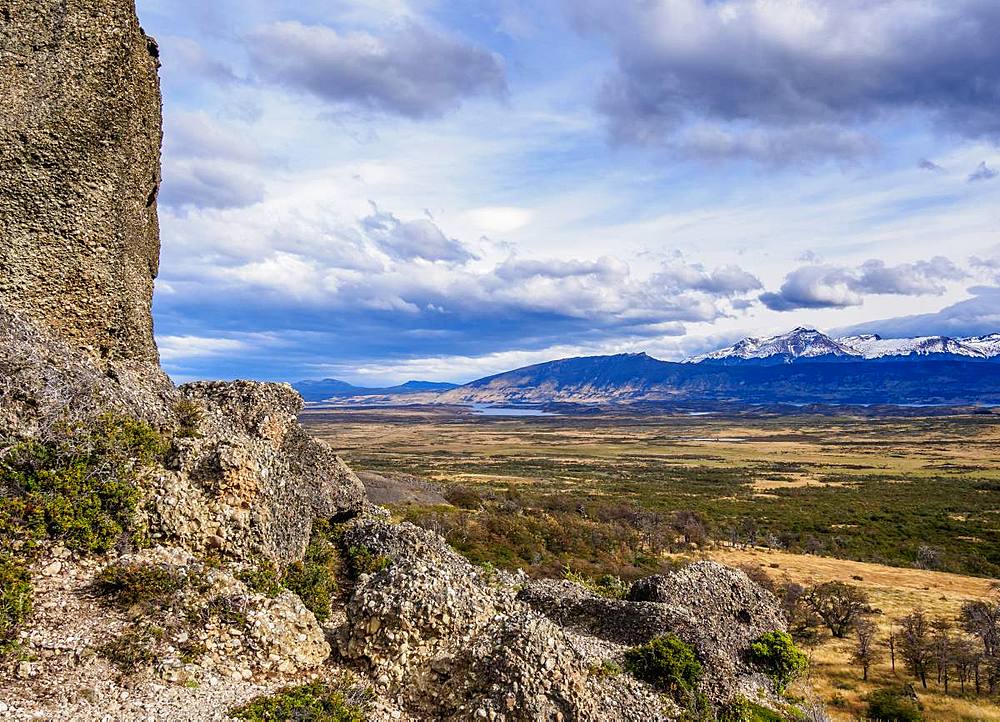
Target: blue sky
380	191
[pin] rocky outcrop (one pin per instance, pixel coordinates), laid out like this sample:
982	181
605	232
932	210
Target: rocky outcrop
242	482
244	479
447	640
717	610
79	172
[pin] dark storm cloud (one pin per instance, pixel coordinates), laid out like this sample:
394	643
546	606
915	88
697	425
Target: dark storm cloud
824	286
414	72
766	70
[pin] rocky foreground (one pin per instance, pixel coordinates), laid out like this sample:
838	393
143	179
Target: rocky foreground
158	541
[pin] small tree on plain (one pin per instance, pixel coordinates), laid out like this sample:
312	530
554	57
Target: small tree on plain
839	605
915	645
866	649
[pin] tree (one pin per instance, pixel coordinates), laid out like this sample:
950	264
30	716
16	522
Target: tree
890	643
691	526
942	642
839	605
915	645
866	651
981	619
967	659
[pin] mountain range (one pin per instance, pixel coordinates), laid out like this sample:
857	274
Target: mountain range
326	389
802	367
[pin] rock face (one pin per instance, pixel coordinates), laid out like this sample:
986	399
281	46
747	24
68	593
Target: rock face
717	610
80	139
244	479
446	640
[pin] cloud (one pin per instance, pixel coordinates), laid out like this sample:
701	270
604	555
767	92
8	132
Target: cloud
977	316
413	72
209	185
176	348
930	165
419	239
827	286
982	173
794	77
725	282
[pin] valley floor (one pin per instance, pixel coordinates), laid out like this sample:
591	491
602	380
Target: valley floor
907	508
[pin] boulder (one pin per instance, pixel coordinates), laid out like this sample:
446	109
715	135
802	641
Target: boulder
719	611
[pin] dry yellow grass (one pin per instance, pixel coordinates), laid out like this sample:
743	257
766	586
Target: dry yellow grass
895	592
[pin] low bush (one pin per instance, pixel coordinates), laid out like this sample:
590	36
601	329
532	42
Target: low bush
132	651
147	584
262	578
15	600
667	663
316	702
743	710
78	487
314	578
777	656
607	585
893	705
362	561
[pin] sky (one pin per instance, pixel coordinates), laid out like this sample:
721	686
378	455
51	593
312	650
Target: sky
380	191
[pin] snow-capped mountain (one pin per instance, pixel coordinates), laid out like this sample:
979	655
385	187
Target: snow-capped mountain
989	345
804	343
872	346
800	343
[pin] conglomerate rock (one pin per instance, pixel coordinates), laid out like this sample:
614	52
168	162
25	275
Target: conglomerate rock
719	611
245	480
80	139
447	640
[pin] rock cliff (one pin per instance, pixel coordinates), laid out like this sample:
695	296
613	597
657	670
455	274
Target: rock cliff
79	173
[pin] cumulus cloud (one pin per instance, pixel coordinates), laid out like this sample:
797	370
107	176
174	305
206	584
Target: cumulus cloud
174	348
827	286
209	185
780	75
413	72
419	239
982	173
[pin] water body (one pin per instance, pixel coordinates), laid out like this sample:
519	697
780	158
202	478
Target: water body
487	410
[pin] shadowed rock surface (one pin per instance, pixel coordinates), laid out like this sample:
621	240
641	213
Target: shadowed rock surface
80	139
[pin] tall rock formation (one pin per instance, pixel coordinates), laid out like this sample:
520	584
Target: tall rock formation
80	135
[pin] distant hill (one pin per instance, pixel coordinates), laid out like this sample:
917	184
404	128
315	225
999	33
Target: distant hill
324	389
802	367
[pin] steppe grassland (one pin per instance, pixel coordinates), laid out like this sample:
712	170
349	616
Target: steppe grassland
883	486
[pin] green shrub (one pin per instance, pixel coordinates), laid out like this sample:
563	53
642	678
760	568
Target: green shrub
262	578
362	561
189	415
79	488
15	600
316	702
776	654
607	585
893	705
743	710
314	579
667	663
146	584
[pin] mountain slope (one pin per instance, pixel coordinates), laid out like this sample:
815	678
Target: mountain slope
830	379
